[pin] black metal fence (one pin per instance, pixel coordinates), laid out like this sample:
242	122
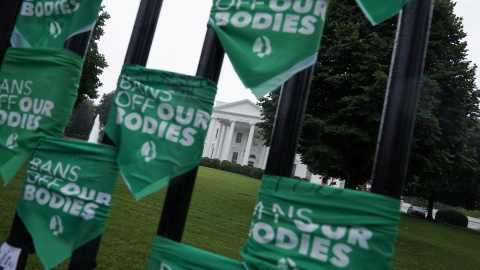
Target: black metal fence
394	139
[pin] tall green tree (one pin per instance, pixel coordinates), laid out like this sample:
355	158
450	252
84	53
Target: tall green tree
348	88
453	160
346	98
94	63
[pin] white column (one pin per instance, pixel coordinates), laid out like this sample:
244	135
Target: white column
208	140
228	142
221	144
218	144
224	141
262	158
266	158
249	145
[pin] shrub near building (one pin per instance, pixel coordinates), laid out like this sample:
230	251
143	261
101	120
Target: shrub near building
235	168
205	161
451	216
226	165
246	170
257	173
215	163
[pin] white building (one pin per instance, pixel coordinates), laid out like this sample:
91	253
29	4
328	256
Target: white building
234	135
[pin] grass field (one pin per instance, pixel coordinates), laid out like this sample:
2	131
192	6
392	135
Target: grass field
422	244
219	220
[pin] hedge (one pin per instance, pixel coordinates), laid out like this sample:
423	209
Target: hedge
235	168
257	173
246	170
451	216
215	163
205	161
225	165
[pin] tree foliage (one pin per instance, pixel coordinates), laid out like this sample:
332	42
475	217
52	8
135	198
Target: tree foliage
94	63
103	108
81	121
343	114
346	96
444	162
269	109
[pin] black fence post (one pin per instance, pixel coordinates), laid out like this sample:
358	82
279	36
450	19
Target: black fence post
401	100
180	189
288	123
8	10
84	257
143	32
20	238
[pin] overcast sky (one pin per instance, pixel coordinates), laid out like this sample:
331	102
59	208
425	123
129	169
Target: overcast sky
181	31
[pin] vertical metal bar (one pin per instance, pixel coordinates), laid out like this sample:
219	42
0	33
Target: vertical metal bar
8	9
180	189
84	257
288	123
79	43
20	238
400	109
211	59
143	32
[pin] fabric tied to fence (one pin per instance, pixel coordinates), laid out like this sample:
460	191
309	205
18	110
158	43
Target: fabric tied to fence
159	121
378	11
38	88
170	255
299	225
49	23
67	196
269	41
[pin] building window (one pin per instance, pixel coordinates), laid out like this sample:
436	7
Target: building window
234	157
239	137
251	163
252	156
256	140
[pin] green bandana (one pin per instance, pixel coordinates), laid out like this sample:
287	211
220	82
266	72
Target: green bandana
38	88
67	196
170	255
269	41
49	23
159	121
378	11
299	225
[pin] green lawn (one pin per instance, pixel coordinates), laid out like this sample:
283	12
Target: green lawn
422	244
219	220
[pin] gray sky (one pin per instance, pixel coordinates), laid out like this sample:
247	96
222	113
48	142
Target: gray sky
179	39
